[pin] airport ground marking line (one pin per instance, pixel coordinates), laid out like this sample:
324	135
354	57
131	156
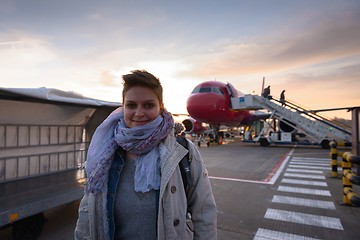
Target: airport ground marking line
271	179
304	171
313	159
309	191
308	176
303	202
303	218
310	163
304	182
309	167
266	234
239	180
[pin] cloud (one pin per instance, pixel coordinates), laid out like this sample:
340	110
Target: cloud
25	52
108	79
329	40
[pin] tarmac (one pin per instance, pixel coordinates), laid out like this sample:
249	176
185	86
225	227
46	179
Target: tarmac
278	192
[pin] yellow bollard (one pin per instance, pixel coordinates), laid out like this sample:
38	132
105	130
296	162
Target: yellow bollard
334	162
347	185
348	196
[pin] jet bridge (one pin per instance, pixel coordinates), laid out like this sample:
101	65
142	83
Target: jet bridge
318	129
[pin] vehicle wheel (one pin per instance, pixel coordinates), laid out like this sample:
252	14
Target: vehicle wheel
208	144
325	144
28	228
264	142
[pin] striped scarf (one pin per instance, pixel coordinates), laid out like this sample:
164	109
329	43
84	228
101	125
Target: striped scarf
142	140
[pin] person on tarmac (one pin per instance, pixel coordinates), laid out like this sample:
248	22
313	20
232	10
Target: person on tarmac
134	187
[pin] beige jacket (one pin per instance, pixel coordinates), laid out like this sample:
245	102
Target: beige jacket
173	220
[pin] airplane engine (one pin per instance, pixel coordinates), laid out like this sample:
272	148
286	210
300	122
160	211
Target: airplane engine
287	126
188	124
192	126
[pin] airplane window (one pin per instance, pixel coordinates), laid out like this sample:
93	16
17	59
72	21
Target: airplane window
217	90
205	89
196	90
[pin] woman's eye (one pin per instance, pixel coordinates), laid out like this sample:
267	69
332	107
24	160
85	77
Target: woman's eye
131	105
149	105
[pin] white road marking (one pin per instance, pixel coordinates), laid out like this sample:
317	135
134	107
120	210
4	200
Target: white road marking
304	171
304	182
266	234
312	159
309	191
309	163
308	167
303	202
309	176
240	180
302	218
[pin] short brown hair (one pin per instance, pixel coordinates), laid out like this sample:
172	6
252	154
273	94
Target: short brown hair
144	79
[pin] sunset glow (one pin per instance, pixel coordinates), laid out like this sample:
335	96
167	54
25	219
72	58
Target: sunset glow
309	48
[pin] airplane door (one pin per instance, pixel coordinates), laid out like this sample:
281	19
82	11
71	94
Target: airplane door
231	90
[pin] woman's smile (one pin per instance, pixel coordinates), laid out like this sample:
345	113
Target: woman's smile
140	107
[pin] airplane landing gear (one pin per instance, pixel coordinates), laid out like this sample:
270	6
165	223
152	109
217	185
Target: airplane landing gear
219	138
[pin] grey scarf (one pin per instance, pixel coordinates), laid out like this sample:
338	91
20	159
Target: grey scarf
142	140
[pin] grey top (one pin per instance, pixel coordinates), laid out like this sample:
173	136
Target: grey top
135	213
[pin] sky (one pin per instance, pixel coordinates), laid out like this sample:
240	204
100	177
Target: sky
309	48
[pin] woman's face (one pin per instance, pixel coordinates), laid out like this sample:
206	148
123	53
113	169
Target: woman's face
140	106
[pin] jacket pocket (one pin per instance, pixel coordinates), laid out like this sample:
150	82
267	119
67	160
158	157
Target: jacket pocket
82	225
84	213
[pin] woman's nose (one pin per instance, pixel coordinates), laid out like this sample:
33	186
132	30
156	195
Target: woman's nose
139	111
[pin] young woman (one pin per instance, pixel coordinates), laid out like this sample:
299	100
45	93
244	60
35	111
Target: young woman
134	187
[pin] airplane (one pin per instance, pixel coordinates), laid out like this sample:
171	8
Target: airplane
210	102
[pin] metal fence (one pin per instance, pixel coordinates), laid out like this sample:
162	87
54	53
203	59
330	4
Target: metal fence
32	150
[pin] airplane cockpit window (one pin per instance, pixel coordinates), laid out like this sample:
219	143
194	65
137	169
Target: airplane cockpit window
202	90
205	89
217	90
208	90
196	90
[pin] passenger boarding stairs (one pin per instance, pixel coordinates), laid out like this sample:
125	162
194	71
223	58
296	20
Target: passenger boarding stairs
317	128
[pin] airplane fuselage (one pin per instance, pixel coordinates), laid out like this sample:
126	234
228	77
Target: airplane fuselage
210	102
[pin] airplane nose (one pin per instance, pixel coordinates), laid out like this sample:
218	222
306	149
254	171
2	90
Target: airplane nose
204	106
193	105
